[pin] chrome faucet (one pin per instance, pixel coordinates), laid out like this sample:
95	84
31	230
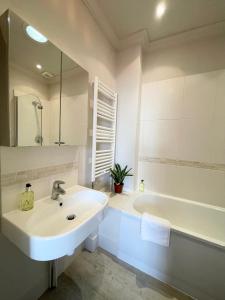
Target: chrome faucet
57	190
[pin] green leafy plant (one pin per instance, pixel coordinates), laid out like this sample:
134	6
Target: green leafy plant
118	174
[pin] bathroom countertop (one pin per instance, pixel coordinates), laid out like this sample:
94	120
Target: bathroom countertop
123	202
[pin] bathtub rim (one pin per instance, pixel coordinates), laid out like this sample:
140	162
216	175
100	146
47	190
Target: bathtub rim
146	192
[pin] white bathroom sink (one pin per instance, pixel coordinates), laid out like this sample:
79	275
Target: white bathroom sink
44	233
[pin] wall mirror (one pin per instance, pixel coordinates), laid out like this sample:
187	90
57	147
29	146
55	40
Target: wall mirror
44	93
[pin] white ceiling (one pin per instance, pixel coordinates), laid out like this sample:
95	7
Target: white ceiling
126	17
129	16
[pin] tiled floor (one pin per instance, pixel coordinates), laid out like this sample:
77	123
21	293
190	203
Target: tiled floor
98	276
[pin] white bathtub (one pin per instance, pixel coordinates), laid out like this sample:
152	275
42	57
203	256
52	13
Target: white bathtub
195	260
202	221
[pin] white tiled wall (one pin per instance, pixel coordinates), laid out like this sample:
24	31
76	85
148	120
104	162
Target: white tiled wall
161	100
206	186
183	118
159	138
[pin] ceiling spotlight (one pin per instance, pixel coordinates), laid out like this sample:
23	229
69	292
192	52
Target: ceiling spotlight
160	10
39	67
35	35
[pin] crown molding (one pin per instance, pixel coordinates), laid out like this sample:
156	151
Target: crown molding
100	18
142	37
138	38
208	31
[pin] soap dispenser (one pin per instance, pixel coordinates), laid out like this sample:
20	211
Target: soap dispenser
142	186
27	198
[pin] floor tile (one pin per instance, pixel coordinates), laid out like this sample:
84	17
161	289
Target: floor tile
101	276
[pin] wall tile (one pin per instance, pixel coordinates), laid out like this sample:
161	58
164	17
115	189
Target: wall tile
220	96
41	186
202	55
185	163
28	175
192	164
199	95
159	138
183	121
202	185
15	159
218	140
195	140
162	99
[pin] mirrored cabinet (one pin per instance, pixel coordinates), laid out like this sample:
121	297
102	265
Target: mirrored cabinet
43	92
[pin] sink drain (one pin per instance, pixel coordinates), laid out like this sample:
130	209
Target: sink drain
71	217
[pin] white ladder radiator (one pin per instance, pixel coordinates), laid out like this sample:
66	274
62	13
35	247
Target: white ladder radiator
104	129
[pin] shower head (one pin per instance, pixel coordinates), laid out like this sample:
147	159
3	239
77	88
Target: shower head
37	103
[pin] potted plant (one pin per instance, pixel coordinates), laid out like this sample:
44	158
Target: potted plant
118	174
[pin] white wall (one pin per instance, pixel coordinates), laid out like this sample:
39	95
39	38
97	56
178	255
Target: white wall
128	86
182	121
199	56
69	26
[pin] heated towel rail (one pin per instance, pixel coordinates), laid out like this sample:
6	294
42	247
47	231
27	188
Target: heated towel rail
104	129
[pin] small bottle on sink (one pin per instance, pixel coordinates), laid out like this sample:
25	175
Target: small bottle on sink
27	198
142	186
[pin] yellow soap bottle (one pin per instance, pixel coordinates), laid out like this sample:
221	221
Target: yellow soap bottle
27	198
142	186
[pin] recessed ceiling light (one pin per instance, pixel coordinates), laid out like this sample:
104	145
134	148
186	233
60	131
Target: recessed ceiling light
39	66
35	35
160	10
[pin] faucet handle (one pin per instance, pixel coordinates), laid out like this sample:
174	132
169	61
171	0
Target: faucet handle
57	183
